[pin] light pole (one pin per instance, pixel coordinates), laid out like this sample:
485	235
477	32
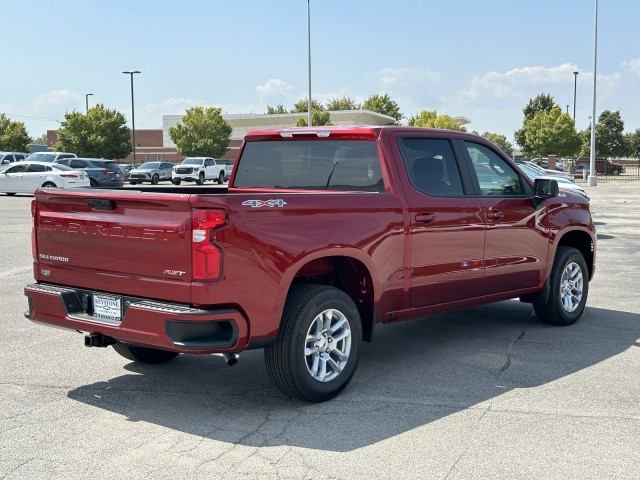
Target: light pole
575	86
568	110
309	54
133	115
593	179
86	101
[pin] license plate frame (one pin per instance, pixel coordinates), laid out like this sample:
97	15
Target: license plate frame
107	307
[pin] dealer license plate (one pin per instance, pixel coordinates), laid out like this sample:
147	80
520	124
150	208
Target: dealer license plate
107	307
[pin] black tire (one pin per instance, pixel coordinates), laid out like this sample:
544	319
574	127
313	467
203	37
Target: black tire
155	179
569	288
287	360
10	194
48	185
143	354
176	181
221	178
200	179
133	182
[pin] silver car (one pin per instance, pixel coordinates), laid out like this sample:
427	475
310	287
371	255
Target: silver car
153	172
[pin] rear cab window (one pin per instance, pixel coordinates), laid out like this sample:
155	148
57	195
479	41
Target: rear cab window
347	165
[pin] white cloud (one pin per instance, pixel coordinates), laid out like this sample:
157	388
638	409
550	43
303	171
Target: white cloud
274	87
633	65
58	98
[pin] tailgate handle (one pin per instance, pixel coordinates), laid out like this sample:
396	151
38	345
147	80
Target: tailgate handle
101	204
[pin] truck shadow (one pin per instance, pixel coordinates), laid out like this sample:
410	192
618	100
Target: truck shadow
411	375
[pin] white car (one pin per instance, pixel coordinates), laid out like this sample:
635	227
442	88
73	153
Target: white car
27	177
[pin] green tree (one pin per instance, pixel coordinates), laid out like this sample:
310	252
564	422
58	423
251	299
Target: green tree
342	103
277	109
499	140
318	117
552	133
302	106
610	139
384	105
41	140
542	103
100	133
203	132
633	142
13	135
431	119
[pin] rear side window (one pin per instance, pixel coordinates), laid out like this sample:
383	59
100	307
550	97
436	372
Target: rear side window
431	166
349	165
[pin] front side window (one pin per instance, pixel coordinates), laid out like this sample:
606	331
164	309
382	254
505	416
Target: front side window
495	176
431	166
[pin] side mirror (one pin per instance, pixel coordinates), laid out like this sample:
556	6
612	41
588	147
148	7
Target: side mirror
544	188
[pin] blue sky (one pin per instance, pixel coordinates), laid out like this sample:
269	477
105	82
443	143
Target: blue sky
480	59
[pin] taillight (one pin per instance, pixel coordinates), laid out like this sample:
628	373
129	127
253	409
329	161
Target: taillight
69	175
106	171
206	256
34	213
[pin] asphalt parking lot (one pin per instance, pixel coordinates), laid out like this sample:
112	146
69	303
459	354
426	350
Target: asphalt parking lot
485	393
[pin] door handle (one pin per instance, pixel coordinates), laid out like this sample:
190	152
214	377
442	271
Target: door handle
425	217
494	215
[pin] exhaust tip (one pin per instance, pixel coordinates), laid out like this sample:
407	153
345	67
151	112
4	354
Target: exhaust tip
230	359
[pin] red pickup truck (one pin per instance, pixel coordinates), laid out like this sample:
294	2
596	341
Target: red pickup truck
322	234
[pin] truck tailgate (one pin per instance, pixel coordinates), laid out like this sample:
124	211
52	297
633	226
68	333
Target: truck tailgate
114	241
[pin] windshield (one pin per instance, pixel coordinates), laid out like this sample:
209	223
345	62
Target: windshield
352	165
192	161
41	157
149	166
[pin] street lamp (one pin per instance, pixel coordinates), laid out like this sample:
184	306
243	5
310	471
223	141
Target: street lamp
309	55
593	178
568	111
133	115
575	85
86	100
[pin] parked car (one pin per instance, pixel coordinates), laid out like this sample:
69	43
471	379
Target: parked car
126	169
547	171
102	173
49	156
7	158
604	166
201	169
27	177
153	172
563	183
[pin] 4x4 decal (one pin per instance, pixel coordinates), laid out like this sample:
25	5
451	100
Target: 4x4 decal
264	203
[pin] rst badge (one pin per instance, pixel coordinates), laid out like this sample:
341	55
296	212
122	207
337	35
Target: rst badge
264	203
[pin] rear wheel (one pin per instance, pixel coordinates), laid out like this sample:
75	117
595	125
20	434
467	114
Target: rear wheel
221	178
143	354
48	185
569	283
155	179
200	179
93	183
316	353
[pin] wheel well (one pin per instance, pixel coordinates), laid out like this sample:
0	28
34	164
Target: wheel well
582	241
349	275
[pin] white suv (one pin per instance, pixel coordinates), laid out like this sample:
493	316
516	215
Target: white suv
199	170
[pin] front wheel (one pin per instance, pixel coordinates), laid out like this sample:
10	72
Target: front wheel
316	353
569	283
200	179
221	178
133	182
155	179
176	181
143	354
